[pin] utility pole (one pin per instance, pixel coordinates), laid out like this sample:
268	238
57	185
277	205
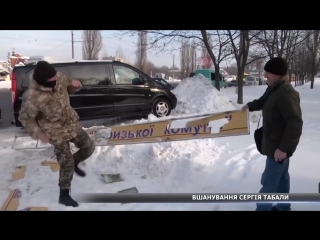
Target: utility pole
72	44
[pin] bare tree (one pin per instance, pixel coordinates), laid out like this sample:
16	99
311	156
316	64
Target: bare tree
170	40
278	43
300	64
193	55
313	47
142	48
104	55
275	43
187	57
218	51
241	52
120	54
92	44
183	58
288	44
261	44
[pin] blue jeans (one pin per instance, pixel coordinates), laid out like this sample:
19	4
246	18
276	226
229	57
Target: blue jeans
275	179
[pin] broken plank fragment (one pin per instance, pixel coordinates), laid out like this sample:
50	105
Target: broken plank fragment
12	201
18	173
35	209
54	165
112	178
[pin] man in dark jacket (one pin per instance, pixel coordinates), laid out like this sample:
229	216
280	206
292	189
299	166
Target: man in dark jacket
282	128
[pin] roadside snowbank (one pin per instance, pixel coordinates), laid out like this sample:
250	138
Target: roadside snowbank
197	96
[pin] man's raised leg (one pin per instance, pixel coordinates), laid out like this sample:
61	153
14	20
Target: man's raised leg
86	147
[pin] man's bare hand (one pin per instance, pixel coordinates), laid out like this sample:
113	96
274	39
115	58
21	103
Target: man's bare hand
44	138
279	155
244	108
76	84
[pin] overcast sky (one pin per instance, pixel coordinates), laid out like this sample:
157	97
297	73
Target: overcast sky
56	45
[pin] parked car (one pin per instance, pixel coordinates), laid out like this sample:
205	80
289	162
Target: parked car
3	74
263	81
163	82
232	83
228	79
252	81
111	89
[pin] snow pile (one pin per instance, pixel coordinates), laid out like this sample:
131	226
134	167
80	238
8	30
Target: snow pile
197	96
180	161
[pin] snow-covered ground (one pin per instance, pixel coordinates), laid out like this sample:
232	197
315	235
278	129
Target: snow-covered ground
5	84
221	165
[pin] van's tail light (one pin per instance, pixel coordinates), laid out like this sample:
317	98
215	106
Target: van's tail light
14	88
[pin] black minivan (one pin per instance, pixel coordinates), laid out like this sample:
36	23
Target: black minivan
110	89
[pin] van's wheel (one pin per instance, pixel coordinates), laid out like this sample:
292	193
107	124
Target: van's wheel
161	107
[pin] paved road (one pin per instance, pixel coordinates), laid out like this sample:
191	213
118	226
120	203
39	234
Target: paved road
6	108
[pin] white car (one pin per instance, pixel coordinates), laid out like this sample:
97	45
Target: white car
229	78
252	81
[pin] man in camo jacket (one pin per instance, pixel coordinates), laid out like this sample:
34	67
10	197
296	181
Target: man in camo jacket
47	115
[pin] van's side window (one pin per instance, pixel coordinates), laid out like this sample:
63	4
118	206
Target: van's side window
90	74
28	74
125	75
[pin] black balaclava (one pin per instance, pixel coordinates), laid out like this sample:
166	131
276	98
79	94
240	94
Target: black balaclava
42	72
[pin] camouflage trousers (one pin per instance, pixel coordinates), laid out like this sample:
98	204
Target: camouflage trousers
67	160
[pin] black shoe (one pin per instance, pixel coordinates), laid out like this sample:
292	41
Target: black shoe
65	198
78	171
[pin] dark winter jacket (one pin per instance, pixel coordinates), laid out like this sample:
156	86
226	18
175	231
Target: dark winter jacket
282	118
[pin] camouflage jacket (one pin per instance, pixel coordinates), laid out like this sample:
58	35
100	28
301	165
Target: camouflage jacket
47	110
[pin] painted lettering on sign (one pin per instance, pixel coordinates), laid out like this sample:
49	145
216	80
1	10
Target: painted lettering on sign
149	132
141	133
192	130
